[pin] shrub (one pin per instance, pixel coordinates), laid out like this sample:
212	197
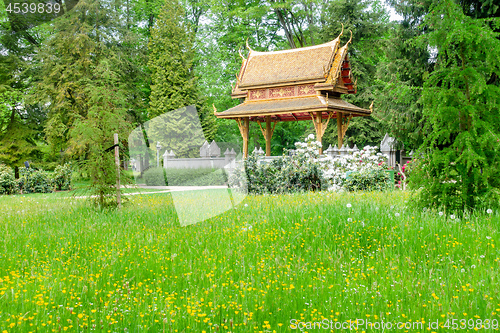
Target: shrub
154	177
63	177
35	181
195	177
8	183
302	172
307	171
366	159
367	180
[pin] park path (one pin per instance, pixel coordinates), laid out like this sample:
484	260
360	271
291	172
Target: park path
162	189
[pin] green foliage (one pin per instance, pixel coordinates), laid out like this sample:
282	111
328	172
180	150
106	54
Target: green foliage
368	180
218	61
154	177
369	23
185	177
284	137
90	91
16	137
399	80
35	181
174	85
460	159
8	183
196	177
63	177
95	133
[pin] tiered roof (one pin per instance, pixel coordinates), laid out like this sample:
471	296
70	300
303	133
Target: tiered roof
289	84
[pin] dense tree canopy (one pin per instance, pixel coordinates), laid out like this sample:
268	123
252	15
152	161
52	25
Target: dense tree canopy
114	65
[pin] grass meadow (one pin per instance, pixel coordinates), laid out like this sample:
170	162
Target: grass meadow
274	264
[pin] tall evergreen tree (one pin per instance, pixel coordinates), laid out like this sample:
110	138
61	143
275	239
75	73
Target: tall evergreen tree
18	135
461	153
398	84
174	84
87	78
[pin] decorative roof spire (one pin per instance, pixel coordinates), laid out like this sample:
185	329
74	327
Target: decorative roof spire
248	46
350	39
215	109
241	55
342	32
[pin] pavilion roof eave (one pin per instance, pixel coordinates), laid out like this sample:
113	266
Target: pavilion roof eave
291	106
235	115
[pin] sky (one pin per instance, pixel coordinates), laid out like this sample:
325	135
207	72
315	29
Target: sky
393	14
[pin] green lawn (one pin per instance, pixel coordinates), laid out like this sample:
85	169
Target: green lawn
273	261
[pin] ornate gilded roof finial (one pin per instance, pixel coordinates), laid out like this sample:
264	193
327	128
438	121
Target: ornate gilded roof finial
342	32
215	109
241	55
371	106
248	46
237	79
350	39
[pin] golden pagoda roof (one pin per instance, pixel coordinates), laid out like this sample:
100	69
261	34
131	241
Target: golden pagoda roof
294	66
326	66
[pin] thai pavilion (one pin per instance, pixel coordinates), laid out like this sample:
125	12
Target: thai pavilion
293	85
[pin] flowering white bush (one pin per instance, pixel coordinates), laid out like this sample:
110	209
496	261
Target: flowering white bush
310	148
362	161
308	171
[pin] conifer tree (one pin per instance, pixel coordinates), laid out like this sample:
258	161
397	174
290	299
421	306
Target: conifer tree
174	85
460	159
86	77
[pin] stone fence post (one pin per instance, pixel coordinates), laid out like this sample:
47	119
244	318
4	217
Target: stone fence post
167	156
229	157
388	148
